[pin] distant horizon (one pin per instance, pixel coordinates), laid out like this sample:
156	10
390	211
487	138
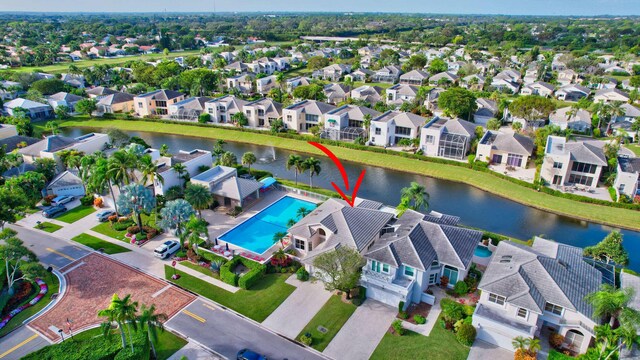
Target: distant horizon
543	8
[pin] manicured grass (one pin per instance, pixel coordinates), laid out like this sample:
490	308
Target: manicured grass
333	315
481	180
95	243
76	214
168	344
439	345
197	268
304	186
48	227
256	303
635	148
54	286
64	67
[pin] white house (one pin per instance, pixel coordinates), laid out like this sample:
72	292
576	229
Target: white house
628	177
505	148
188	109
610	95
487	110
572	92
305	114
572	163
540	88
34	110
66	183
227	188
265	84
399	93
262	112
447	138
223	108
391	127
368	93
567	118
194	161
51	146
348	116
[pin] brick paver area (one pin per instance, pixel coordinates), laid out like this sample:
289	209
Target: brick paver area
90	287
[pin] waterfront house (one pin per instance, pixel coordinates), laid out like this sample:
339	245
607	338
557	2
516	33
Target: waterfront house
36	111
188	109
567	118
227	188
64	99
447	138
572	163
156	102
305	114
391	127
505	148
628	177
193	162
223	108
533	291
51	146
117	102
262	112
347	122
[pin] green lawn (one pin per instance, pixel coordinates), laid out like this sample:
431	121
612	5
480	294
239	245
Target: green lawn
257	303
168	344
64	67
54	287
333	315
481	180
76	214
439	345
197	268
48	227
106	229
95	243
635	148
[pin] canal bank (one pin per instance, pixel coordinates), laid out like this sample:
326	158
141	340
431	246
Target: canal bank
476	208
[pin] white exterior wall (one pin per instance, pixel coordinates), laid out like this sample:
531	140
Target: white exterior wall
72	190
430	149
385	132
171	178
293	119
628	180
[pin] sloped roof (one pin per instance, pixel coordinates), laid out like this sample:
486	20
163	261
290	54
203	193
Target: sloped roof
65	178
100	90
69	98
13	141
162	94
512	143
586	153
561	115
115	98
414	74
24	103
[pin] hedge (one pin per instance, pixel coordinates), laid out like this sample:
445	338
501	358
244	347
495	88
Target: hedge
478	166
255	273
211	257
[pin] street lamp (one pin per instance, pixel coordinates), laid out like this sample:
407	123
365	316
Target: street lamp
61	334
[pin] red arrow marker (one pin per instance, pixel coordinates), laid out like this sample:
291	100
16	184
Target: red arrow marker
345	178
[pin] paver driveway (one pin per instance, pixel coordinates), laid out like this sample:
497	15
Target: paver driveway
92	281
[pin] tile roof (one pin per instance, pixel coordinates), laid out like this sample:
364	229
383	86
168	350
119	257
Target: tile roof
512	143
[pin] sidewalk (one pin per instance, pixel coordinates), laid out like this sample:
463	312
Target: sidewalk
298	309
209	279
193	351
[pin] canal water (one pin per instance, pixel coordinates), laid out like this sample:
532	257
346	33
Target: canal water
475	207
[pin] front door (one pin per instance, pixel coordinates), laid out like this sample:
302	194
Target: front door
451	273
227	201
557	180
496	159
433	278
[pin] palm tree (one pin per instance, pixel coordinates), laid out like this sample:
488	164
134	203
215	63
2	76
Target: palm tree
534	346
302	212
218	149
149	172
119	311
615	110
367	125
181	170
278	237
73	161
152	321
416	194
228	159
121	163
248	159
609	302
313	165
199	197
520	343
635	126
196	227
295	162
125	310
53	127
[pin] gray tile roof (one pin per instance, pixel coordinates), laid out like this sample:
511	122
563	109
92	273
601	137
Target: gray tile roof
115	98
629	165
512	143
65	178
586	153
632	281
13	141
530	278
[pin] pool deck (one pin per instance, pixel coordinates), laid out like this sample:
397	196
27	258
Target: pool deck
221	223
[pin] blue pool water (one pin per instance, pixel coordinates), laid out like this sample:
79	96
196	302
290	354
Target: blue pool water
482	251
256	233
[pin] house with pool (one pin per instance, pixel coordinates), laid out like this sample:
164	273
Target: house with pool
227	188
405	255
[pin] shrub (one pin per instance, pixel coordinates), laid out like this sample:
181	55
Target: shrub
122	226
444	281
181	254
471	158
204	118
113	218
302	274
521	354
403	315
556	340
460	288
150	232
47	199
226	271
400	306
466	334
397	327
98	202
255	273
452	311
134	229
87	200
306	339
419	319
253	276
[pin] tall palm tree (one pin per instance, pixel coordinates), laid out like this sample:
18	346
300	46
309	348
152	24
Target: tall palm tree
615	110
196	227
295	162
313	166
248	159
609	302
153	322
149	172
416	196
302	212
199	197
53	127
125	310
278	237
181	170
119	313
367	125
121	164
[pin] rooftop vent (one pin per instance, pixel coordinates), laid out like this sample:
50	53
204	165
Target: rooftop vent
505	259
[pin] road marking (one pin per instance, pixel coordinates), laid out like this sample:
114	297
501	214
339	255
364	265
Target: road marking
209	306
18	346
157	293
61	254
199	318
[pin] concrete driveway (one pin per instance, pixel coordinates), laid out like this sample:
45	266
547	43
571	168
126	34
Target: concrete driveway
481	350
298	309
361	334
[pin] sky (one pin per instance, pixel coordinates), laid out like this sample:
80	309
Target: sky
507	7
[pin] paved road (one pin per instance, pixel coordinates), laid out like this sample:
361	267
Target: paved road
20	343
227	333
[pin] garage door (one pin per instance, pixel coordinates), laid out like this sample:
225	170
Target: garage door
494	336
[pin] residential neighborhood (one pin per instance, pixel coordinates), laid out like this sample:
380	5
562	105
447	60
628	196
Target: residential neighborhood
250	184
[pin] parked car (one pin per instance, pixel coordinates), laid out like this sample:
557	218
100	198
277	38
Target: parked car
167	249
246	354
103	215
63	199
54	211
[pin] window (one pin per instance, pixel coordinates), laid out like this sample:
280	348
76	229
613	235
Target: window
260	112
379	267
289	118
409	271
140	104
497	299
433	277
210	110
514	160
299	244
554	309
580	179
378	131
522	313
584	168
430	139
355	123
248	112
403	131
311	118
435	264
557	165
161	103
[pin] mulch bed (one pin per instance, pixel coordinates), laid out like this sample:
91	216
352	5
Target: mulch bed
416	309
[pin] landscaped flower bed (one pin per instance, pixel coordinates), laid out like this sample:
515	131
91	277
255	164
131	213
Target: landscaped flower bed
18	310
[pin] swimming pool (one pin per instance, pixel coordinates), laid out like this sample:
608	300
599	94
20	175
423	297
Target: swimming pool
256	233
482	251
